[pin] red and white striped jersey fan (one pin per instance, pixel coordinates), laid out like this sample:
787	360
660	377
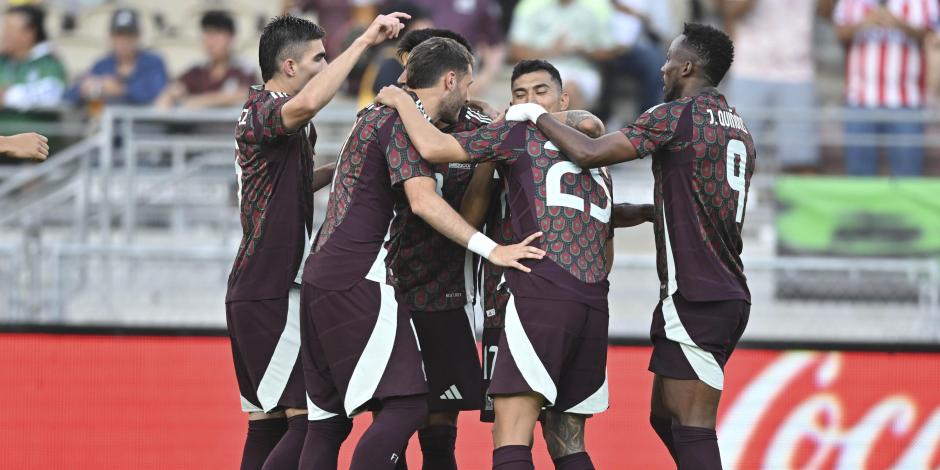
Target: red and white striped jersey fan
886	68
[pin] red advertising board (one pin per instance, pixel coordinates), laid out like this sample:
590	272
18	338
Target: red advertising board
80	401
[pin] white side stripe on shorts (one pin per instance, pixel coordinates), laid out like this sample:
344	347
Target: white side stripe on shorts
284	357
702	362
249	407
596	403
374	359
315	413
528	362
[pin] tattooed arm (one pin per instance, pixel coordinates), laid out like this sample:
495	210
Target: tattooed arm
563	432
583	121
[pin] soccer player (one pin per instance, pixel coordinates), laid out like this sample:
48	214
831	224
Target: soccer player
275	157
358	347
703	161
553	349
434	276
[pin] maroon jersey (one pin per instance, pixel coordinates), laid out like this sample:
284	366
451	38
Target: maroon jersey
550	194
430	269
275	178
198	79
367	189
703	160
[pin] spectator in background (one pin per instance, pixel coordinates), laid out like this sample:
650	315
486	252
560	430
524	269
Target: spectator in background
385	66
638	28
220	81
30	74
885	75
479	22
129	75
774	68
572	35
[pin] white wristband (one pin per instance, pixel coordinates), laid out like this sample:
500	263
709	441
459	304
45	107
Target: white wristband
481	245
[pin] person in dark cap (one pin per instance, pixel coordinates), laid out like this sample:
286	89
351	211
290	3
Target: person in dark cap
129	74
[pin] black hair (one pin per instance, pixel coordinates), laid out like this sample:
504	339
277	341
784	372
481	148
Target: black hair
416	12
431	59
280	40
535	65
35	19
218	20
411	39
712	47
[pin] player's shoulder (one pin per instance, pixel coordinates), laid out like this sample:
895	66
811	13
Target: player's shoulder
474	117
675	107
377	115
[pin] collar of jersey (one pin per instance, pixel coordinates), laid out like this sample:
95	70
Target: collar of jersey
420	105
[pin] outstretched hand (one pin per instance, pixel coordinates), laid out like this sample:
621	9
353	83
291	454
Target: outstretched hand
390	95
384	27
509	255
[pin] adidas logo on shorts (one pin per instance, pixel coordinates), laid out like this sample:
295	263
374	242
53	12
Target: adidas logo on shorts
451	394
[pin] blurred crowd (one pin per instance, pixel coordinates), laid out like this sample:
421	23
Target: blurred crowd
609	53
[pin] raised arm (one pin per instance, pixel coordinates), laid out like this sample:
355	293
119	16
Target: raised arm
427	204
321	89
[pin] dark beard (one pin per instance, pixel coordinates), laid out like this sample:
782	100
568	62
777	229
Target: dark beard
670	94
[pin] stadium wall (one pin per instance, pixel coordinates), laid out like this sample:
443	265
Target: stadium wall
156	399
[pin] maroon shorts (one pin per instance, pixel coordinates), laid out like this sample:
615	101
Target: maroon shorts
358	345
492	330
265	336
556	348
451	361
693	340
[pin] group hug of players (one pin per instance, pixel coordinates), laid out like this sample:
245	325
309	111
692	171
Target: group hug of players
436	207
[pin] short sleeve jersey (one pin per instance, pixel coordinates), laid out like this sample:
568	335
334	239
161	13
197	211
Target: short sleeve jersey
433	272
376	159
703	160
275	183
550	194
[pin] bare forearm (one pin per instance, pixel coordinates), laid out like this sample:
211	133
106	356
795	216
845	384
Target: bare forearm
433	145
323	175
443	218
321	89
585	151
477	197
630	215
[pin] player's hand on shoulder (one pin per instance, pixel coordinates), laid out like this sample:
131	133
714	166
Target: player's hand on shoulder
391	96
510	255
384	27
524	112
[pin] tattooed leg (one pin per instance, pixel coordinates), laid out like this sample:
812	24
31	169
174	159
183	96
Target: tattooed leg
563	432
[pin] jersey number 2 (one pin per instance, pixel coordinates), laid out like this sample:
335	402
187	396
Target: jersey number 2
734	174
555	197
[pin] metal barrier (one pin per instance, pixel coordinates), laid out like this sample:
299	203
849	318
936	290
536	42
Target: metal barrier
144	211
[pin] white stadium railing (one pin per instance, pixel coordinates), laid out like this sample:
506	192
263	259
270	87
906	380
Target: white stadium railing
136	224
